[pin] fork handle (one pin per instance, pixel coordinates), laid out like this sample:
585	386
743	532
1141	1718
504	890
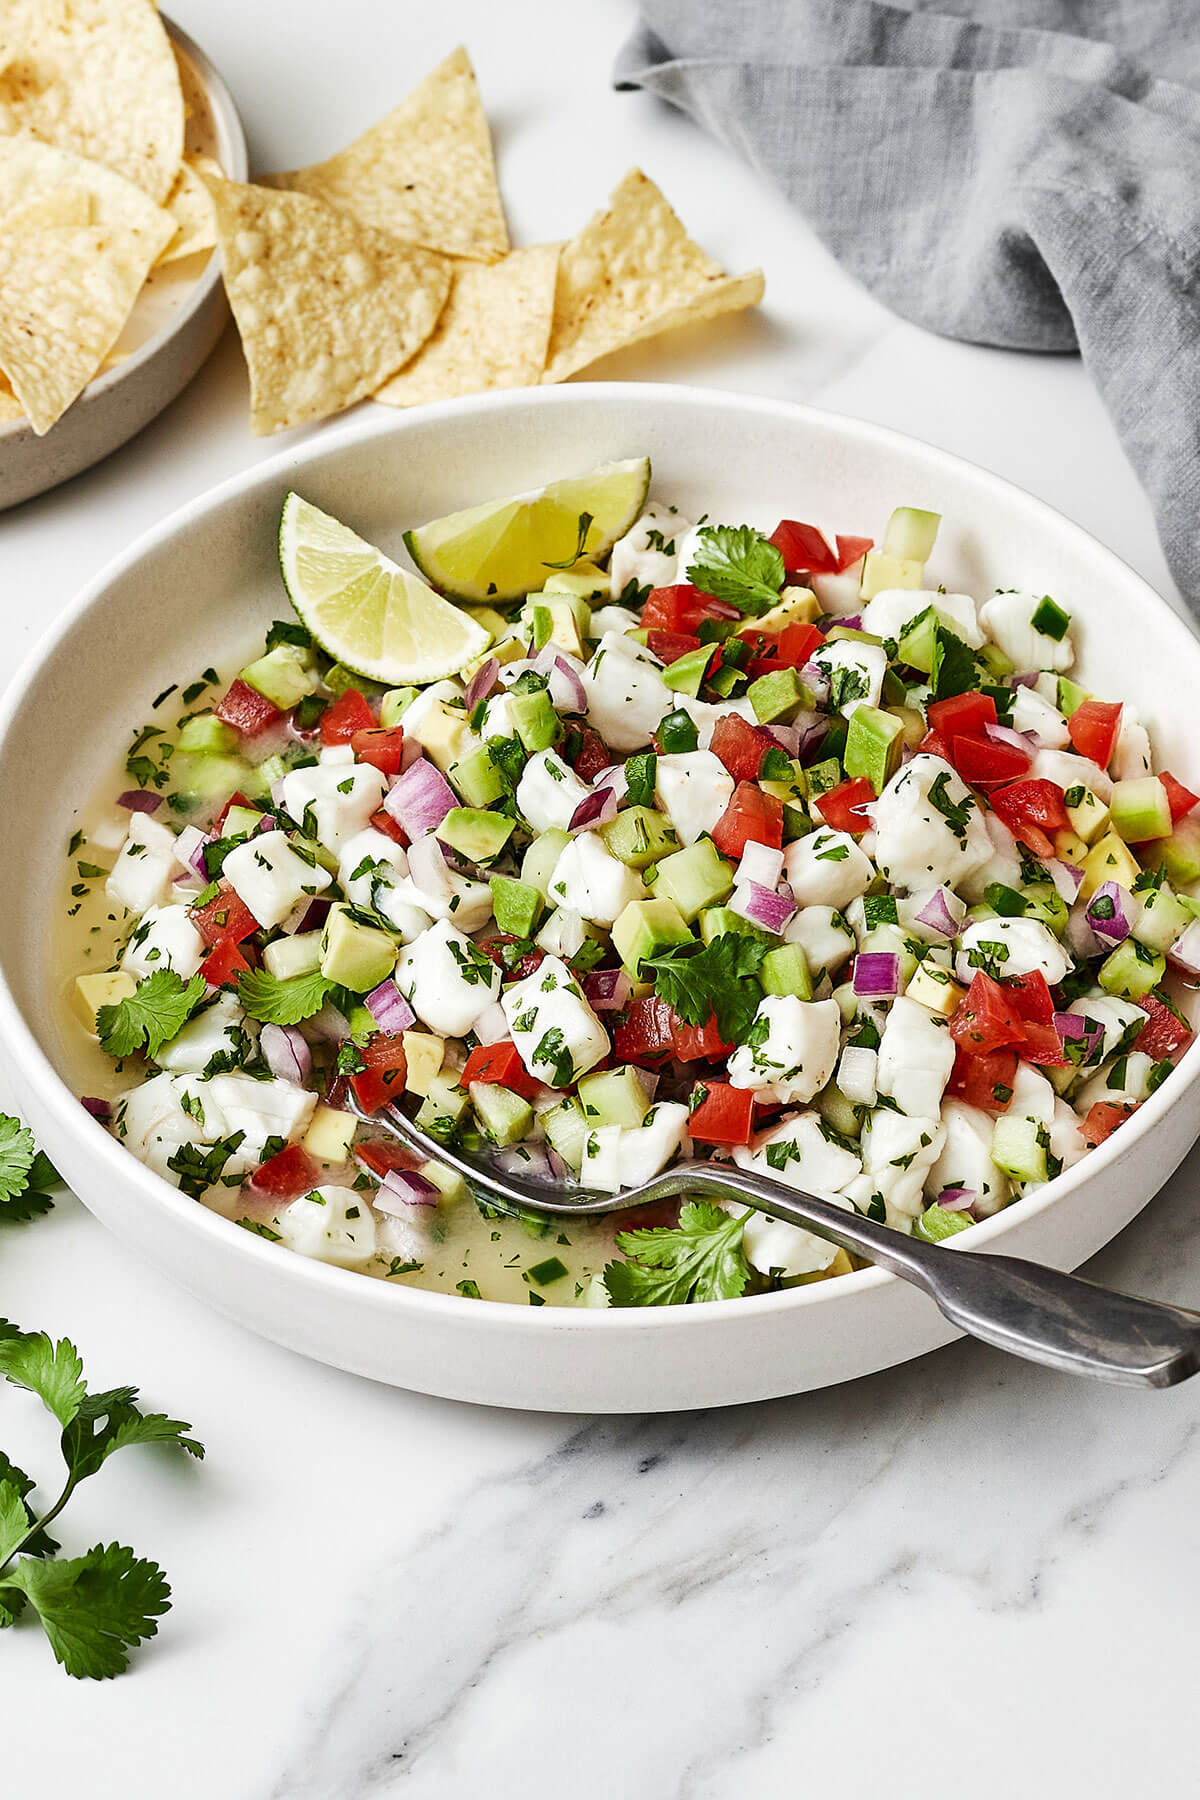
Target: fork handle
1041	1314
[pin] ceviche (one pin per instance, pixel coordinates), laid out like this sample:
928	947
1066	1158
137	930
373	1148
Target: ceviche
615	838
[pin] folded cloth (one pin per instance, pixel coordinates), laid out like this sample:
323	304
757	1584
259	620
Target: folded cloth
1017	184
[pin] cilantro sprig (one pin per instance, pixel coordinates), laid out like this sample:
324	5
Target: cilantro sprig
699	1259
282	1002
722	978
96	1607
25	1174
738	564
159	1007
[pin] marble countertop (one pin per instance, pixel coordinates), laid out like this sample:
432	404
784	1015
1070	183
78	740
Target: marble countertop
964	1577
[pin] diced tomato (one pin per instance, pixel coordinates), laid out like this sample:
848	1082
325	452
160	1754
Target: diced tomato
851	550
224	918
383	821
1031	809
382	748
1094	728
237	798
682	607
669	646
248	711
841	808
224	963
750	817
1043	1046
1163	1034
984	1081
1180	799
1031	996
348	714
499	1065
285	1176
696	1043
586	751
383	1078
985	763
933	745
1103	1120
986	1020
740	746
723	1116
514	957
962	715
645	1031
804	549
797	643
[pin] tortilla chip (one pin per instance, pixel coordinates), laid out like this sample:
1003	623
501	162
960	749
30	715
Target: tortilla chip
632	272
43	187
10	406
69	206
97	77
492	334
190	205
425	172
64	296
326	306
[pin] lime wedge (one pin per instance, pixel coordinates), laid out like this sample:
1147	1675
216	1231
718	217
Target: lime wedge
363	610
508	547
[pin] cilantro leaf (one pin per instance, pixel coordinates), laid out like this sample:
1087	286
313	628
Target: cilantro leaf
957	813
274	1002
54	1372
159	1007
720	978
954	669
112	1421
17	1153
93	1608
199	1169
738	564
700	1259
41	1543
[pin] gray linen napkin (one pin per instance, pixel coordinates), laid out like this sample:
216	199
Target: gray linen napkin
1030	184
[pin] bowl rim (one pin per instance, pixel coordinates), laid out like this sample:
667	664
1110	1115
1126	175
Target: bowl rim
24	1052
228	122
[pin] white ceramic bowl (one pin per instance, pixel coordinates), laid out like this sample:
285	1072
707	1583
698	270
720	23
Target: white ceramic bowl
204	582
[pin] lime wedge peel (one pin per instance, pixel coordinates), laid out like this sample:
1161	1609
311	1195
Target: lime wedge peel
506	548
364	610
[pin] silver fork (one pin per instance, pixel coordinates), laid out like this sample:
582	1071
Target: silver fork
1041	1314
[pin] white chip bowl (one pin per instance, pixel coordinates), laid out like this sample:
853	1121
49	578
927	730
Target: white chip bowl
195	588
173	328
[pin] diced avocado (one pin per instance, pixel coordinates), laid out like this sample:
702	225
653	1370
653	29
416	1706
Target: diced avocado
339	678
892	689
880	571
1162	919
300	954
516	904
1180	854
646	927
541	860
937	1223
873	743
613	1097
852	634
479	836
785	971
715	921
445	735
504	1116
1017	1148
570	616
584	580
777	695
1069	847
477	778
795	606
911	534
839	1112
330	1134
1070	696
693	878
934	988
94	991
1140	810
443	1107
638	837
394	705
355	955
566	1129
534	720
1087	812
283	675
1131	970
998	665
686	673
424	1052
240	821
448	1182
209	780
488	619
361	1021
1108	860
206	735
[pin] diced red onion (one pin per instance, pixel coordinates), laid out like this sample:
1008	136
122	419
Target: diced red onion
761	864
816	680
427	867
607	990
190	846
99	1109
786	736
567	692
277	790
1067	879
1016	740
852	621
491	1027
956	1199
937	916
402	1188
481	683
389	1008
1081	939
813	729
614	778
285	1052
1027	678
1072	1027
596	808
329	1026
1116	929
877	974
138	800
1185	951
420	798
648	1080
772	909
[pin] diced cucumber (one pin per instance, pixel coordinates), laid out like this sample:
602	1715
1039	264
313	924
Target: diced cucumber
823	776
1140	810
395	704
1017	1148
998	665
1162	919
1180	855
613	1097
785	971
937	1223
516	904
1131	970
288	956
208	780
449	1182
1044	903
443	1107
206	735
639	836
476	778
918	641
715	921
479	836
534	720
541	860
839	1112
1069	696
911	534
566	1129
646	927
504	1116
694	878
283	675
